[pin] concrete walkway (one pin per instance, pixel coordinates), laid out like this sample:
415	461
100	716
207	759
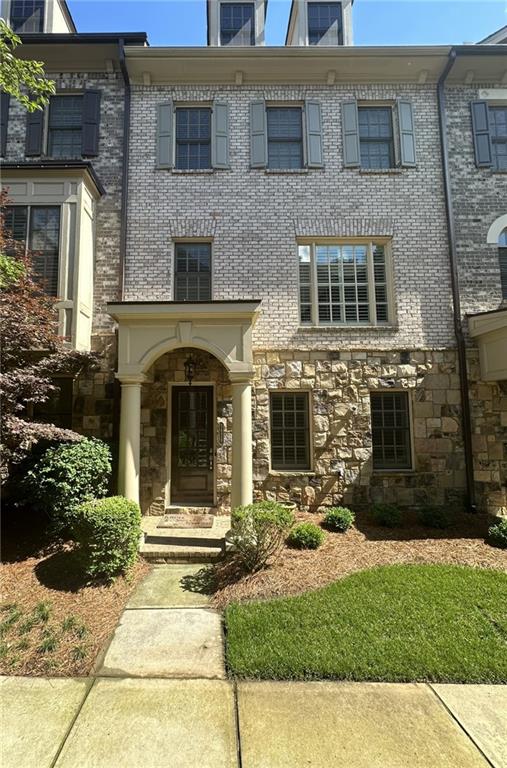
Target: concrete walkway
159	699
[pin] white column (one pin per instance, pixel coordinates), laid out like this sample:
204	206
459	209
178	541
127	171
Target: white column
130	440
242	483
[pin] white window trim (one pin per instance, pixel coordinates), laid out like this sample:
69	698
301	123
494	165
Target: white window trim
369	241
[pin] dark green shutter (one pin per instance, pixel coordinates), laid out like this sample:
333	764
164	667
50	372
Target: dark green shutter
258	135
313	134
220	135
350	131
407	133
4	119
91	123
165	152
482	139
34	128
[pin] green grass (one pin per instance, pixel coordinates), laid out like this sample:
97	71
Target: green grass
397	623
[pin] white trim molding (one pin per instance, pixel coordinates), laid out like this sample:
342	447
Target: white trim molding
496	229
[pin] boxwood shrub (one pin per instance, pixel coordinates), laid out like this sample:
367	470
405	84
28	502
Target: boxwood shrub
306	536
388	515
107	532
258	532
498	534
436	517
339	519
67	475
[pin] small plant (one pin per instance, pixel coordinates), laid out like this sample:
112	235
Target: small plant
498	534
306	536
388	515
66	476
78	652
69	623
339	519
435	517
27	625
48	642
42	612
107	532
258	533
13	615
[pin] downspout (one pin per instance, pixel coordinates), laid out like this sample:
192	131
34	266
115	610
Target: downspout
458	326
125	167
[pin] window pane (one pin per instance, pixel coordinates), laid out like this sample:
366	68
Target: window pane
498	127
390	430
305	284
27	15
16	219
285	137
65	126
376	137
342	283
193	138
237	24
44	240
290	437
325	24
193	272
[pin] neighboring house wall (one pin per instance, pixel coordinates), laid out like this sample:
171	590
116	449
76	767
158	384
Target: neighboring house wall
479	199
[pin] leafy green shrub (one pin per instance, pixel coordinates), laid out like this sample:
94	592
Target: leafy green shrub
388	515
67	475
258	532
339	519
435	517
498	534
107	532
306	536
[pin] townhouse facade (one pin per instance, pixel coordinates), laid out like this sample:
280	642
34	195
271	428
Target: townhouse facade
298	273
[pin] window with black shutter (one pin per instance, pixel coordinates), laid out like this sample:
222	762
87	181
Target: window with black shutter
65	126
498	132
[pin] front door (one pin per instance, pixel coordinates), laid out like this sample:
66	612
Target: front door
192	445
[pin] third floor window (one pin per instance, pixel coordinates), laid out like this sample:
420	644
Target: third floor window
27	16
65	126
325	24
498	127
237	23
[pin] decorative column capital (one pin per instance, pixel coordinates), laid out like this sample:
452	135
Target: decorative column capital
131	379
241	378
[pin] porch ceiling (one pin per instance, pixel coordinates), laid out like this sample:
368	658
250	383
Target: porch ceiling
147	330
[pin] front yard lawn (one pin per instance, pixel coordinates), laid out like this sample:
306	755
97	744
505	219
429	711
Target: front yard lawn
399	623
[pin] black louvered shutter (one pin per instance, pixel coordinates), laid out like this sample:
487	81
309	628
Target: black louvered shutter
91	122
502	257
4	119
34	128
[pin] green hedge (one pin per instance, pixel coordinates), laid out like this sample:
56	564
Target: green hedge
306	536
67	475
107	532
339	519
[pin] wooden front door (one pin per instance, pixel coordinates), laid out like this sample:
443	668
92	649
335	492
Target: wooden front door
192	445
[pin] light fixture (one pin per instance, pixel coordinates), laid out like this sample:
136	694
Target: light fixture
190	366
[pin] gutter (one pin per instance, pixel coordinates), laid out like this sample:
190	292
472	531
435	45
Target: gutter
458	325
125	167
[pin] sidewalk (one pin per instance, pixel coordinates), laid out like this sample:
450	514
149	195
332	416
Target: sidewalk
159	698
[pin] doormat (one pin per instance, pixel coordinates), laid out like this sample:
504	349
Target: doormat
188	520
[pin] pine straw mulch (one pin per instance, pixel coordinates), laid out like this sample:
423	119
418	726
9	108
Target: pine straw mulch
363	546
53	622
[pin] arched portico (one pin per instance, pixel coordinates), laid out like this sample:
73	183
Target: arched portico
148	330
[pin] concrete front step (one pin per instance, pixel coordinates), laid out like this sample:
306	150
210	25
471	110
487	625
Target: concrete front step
186	545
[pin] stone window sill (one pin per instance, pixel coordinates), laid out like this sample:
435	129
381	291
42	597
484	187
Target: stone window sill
335	328
291	473
382	171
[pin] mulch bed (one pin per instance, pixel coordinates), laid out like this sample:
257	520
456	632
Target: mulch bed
363	546
53	621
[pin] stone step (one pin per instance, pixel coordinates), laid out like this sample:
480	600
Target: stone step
188	545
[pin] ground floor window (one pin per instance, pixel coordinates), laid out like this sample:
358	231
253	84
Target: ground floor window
290	431
390	417
37	227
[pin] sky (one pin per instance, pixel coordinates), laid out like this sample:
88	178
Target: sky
375	22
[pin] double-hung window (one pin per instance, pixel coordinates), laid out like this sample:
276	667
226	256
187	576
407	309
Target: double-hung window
237	23
27	15
325	24
390	418
498	129
193	138
65	126
290	431
343	284
376	139
285	137
37	227
192	272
